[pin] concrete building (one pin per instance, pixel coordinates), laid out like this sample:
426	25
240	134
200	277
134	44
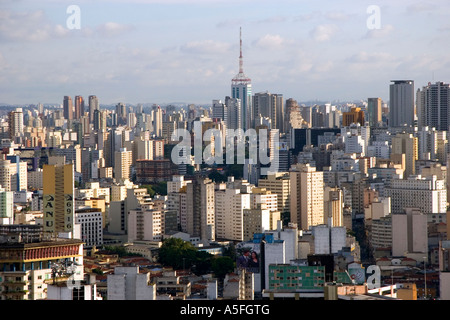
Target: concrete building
170	283
429	195
444	269
127	283
278	183
333	206
407	144
258	220
261	195
122	164
433	103
91	221
306	188
58	198
379	208
6	206
409	232
145	223
355	115
374	111
26	266
381	232
328	239
229	213
200	209
13	174
401	103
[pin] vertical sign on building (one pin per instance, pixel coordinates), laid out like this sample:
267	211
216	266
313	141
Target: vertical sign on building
68	198
49	213
68	213
49	198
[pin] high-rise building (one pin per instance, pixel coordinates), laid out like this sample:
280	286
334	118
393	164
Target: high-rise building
68	108
122	164
100	119
293	118
241	88
219	110
269	105
79	107
407	144
6	206
13	174
401	103
278	183
307	199
157	121
374	111
58	198
93	105
433	105
234	117
355	115
121	112
229	210
91	221
200	209
15	123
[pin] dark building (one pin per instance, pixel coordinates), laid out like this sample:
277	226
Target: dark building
308	136
154	171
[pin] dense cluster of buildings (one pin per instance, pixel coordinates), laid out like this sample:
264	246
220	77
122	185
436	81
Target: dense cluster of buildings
355	186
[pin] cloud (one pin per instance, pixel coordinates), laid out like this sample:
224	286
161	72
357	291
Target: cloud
111	29
324	32
205	46
384	31
27	26
420	7
372	57
272	41
274	19
338	16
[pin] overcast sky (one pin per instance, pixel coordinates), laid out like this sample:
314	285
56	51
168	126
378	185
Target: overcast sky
161	51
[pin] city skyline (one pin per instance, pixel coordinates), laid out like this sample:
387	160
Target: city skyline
166	51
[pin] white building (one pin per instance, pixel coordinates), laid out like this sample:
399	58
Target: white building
307	199
229	209
128	284
145	224
279	184
429	194
91	221
261	195
379	149
93	190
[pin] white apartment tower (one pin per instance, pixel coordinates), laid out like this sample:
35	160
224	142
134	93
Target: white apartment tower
230	205
307	196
